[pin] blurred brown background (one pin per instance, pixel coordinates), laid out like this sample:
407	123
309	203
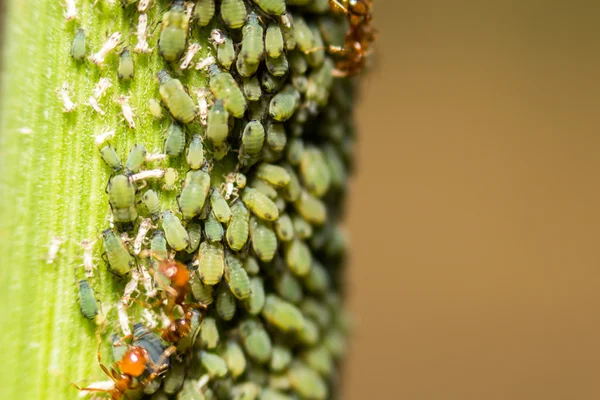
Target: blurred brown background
475	211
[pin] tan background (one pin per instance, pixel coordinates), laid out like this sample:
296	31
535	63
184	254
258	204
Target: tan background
475	212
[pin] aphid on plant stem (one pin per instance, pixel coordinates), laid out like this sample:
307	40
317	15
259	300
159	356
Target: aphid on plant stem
224	87
218	123
256	340
189	55
204	12
127	110
78	47
119	259
252	89
214	365
253	137
142	44
88	258
237	230
274	174
147	174
284	104
274	41
273	7
145	226
264	240
136	158
171	176
87	300
63	92
174	31
99	90
225	303
53	249
175	142
233	13
108	46
71	11
211	263
235	358
253	45
298	257
213	229
195	153
158	245
259	204
121	196
202	105
195	233
277	66
307	382
125	71
193	194
155	108
219	206
276	136
255	303
311	208
225	50
131	287
104	136
176	235
314	171
237	277
284	228
110	157
179	103
209	334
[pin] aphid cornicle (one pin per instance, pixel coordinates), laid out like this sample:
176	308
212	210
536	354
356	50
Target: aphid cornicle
152	203
175	142
119	259
175	233
225	302
238	229
195	153
264	240
253	46
219	206
273	7
204	12
235	358
255	303
176	99
110	157
259	204
256	340
225	88
193	194
125	71
284	104
78	48
174	31
233	13
135	159
213	230
87	300
274	41
218	123
211	261
253	137
237	277
121	197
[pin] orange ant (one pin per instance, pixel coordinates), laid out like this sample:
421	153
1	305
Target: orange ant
359	37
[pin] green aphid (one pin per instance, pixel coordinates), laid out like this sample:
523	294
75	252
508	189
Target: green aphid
300	82
259	204
257	110
253	137
245	391
277	66
293	190
255	303
264	187
155	108
256	340
282	314
252	89
284	228
335	342
217	123
213	230
273	7
276	136
319	83
78	48
201	292
225	302
211	263
219	206
173	380
267	393
173	33
176	99
193	194
170	178
125	71
288	287
87	300
214	365
337	168
152	203
302	228
319	359
295	150
264	240
311	208
298	63
274	174
317	281
235	358
253	45
303	35
287	31
135	159
281	358
314	171
209	333
284	104
306	382
317	54
224	87
220	151
245	69
111	158
315	309
271	83
226	52
195	234
298	257
195	153
119	259
158	245
175	142
189	391
281	204
175	233
274	41
121	197
309	334
233	13
204	12
238	229
237	277
251	265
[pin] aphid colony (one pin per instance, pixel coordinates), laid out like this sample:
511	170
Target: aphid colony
234	289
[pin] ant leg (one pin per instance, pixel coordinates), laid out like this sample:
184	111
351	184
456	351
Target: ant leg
339	5
161	365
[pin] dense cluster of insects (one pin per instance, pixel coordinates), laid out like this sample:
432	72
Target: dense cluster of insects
234	289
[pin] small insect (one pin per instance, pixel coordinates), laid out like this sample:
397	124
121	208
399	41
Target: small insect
217	123
142	44
130	288
287	31
147	282
213	229
121	197
171	177
173	380
175	233
214	365
174	31
204	12
71	11
125	71
238	229
251	265
211	263
270	83
298	257
259	204
253	46
193	194
284	104
264	240
98	92
233	13
143	5
175	142
110	157
274	41
63	92
277	66
147	174
195	153
281	358
235	358
53	249
237	277
253	137
209	334
224	87
252	89
225	304
245	69
274	174
119	259
219	206
304	36
302	227
145	226
256	340
255	303
102	137
201	292
288	287
306	381
179	103
273	7
293	190
108	46
311	208
137	156
88	258
127	110
202	106
276	136
314	171
155	108
189	55
78	47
